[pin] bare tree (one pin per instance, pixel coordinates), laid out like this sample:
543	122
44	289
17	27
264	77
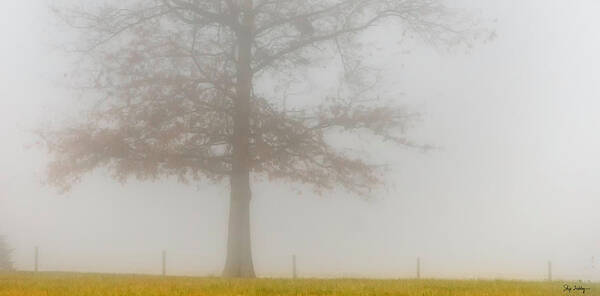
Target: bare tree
177	88
6	263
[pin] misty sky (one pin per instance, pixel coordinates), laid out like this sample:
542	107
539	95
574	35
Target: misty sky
513	185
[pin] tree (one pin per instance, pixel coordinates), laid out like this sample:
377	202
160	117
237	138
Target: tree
198	89
5	255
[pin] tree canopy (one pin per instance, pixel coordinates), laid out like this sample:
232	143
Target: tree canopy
200	89
164	73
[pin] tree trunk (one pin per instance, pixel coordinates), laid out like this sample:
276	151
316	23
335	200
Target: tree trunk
239	251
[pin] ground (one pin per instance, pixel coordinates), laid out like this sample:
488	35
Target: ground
96	284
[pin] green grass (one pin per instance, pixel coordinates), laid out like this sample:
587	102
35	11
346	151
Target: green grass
97	284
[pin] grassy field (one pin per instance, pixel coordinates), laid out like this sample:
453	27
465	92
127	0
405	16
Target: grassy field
95	284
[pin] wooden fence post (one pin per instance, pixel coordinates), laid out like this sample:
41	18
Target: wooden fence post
37	251
418	267
164	263
294	271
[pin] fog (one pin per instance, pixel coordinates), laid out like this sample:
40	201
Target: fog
512	185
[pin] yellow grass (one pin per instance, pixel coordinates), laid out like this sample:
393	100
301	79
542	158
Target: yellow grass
45	284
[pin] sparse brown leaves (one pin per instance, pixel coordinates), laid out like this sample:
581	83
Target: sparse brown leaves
162	74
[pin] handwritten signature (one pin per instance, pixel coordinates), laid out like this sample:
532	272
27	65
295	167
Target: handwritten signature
567	288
